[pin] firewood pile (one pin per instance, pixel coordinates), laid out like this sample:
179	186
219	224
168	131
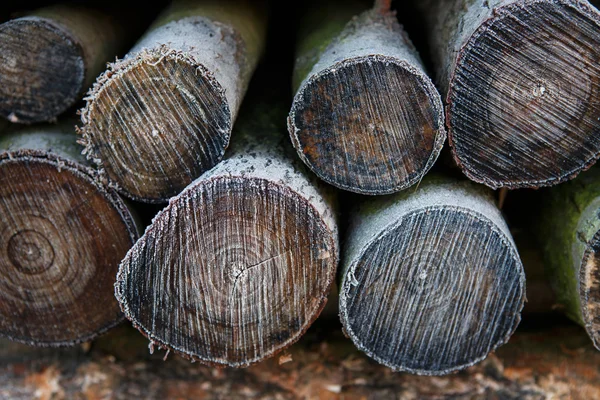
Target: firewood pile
324	199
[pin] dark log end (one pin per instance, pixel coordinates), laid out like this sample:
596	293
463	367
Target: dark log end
231	272
371	125
156	122
589	289
63	237
42	70
435	293
523	101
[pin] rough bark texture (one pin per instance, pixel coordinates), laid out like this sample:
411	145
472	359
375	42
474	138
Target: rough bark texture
63	236
550	364
239	264
365	118
431	279
49	58
569	231
522	81
162	116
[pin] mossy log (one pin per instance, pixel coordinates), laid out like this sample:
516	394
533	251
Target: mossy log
49	58
239	264
431	279
568	229
163	115
522	80
63	235
365	117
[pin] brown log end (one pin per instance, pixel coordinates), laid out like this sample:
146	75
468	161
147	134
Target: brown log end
233	271
371	125
42	70
523	99
589	289
63	236
155	123
435	293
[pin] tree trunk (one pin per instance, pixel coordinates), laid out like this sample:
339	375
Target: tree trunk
50	57
63	236
239	264
431	280
365	118
162	116
522	81
569	230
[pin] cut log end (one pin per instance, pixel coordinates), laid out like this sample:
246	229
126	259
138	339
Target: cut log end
157	122
589	290
523	100
427	296
62	239
371	125
231	272
42	70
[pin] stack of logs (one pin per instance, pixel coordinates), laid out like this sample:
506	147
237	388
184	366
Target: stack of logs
242	259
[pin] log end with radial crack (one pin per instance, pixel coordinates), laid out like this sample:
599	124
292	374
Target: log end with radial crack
230	273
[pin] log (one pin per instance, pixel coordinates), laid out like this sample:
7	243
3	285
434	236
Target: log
555	363
63	235
366	117
431	279
51	56
162	116
238	265
568	228
522	81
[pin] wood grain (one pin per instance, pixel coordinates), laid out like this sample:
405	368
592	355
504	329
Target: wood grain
50	57
431	281
239	264
523	87
63	236
163	115
366	118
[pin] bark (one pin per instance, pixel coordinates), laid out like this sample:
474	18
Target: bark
431	279
63	236
365	118
50	57
522	81
162	116
557	363
239	264
568	229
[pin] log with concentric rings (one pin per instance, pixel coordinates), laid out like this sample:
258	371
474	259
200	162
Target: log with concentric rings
50	57
522	81
432	281
366	117
62	236
239	265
